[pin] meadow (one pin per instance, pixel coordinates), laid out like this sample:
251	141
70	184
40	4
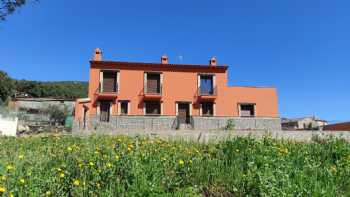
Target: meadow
121	166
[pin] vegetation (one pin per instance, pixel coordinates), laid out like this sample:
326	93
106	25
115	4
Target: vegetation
37	89
7	7
121	166
63	89
6	87
230	125
57	114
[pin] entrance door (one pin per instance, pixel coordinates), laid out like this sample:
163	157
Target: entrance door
184	113
105	110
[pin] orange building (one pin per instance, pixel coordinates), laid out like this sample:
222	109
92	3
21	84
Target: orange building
130	95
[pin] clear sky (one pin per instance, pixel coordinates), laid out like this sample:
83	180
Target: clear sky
301	47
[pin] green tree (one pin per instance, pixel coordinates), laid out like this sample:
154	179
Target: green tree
7	87
57	114
7	7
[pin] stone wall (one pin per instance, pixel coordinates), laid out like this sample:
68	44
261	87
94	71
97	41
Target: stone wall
129	123
170	123
219	123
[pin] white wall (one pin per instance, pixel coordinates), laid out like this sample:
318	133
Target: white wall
8	125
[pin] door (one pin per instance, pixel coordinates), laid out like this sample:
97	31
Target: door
105	111
184	113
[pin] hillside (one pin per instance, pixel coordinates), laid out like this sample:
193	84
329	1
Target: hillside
55	89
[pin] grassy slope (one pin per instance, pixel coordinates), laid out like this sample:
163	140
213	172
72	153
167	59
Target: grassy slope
120	166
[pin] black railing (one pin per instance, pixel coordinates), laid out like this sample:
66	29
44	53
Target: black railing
157	90
207	91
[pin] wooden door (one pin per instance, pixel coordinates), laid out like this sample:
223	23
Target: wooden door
105	111
183	113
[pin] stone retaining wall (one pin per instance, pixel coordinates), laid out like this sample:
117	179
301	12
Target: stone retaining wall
129	123
170	123
217	123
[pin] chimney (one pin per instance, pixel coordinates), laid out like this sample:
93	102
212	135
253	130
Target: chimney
97	55
164	59
212	61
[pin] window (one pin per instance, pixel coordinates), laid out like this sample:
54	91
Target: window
153	85
124	107
153	107
206	85
207	108
247	110
109	81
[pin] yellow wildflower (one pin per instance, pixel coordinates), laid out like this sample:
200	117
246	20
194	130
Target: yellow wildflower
3	178
20	156
69	148
76	182
333	169
109	165
11	195
47	193
2	189
117	157
181	162
91	163
61	175
22	181
9	167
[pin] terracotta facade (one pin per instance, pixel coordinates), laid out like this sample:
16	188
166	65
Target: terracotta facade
178	84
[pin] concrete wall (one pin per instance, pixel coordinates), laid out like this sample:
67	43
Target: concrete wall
8	125
213	136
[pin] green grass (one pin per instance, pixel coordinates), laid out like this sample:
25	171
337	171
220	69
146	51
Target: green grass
121	166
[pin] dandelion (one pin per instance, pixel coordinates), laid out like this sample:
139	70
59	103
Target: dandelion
20	156
61	175
76	182
9	167
11	195
91	163
109	165
333	169
117	157
2	189
22	181
48	193
69	148
181	162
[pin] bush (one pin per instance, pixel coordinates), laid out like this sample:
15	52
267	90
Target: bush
57	114
230	125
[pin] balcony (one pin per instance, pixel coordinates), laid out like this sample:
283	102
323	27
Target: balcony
152	92
106	91
207	93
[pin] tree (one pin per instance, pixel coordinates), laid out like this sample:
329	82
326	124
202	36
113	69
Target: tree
57	114
7	7
7	87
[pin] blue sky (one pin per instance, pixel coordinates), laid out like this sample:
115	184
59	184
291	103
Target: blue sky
300	47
